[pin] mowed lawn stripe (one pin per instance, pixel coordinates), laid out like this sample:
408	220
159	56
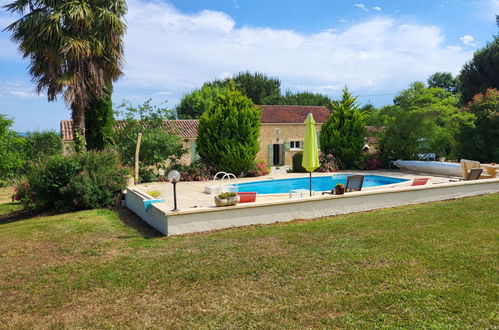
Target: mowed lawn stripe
431	265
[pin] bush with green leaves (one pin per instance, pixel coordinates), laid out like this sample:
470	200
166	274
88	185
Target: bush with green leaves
193	104
479	138
327	163
422	120
81	181
297	160
158	149
344	131
39	145
228	133
11	156
195	171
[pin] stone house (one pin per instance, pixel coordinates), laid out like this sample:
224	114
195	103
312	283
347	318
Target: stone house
281	133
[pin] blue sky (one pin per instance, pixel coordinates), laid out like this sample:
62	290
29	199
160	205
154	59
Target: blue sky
375	47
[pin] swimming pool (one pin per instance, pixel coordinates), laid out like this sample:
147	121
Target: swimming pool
319	183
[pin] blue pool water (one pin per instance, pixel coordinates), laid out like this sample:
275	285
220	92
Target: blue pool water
323	183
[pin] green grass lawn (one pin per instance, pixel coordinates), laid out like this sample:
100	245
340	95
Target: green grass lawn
433	265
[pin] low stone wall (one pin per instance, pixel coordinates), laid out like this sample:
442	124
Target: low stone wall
205	219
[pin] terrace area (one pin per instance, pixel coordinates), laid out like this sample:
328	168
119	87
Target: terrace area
197	211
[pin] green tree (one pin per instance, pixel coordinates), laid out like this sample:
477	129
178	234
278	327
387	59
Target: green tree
301	98
158	149
422	120
40	145
480	139
228	133
256	86
344	131
481	72
444	80
75	48
11	157
198	101
99	121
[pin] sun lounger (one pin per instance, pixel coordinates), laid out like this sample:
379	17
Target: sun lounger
419	181
354	183
474	174
468	165
247	197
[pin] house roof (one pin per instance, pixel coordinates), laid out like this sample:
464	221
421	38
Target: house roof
188	128
184	128
292	114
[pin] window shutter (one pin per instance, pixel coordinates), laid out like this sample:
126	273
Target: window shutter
318	139
287	145
271	154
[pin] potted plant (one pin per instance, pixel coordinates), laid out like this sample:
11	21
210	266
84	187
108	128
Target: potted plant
339	189
226	199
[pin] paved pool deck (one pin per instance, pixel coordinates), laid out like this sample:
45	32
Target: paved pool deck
191	196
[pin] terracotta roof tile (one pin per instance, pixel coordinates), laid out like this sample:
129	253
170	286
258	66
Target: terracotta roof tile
188	128
292	113
183	128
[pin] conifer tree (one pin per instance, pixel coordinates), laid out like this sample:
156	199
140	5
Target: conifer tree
343	133
228	133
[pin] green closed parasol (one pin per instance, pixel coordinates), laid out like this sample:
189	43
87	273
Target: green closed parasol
310	150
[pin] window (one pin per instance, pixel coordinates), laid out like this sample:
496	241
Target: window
296	144
277	131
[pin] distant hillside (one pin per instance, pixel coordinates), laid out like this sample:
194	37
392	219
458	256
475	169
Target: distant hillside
22	134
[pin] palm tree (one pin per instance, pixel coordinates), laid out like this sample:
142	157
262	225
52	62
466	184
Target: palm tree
75	48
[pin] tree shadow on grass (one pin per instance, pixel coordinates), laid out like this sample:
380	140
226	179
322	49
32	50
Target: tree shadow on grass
130	219
23	214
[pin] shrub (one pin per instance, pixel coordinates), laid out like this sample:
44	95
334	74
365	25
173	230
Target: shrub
479	139
226	195
158	149
82	181
228	133
260	168
343	132
148	175
11	158
39	145
21	188
372	162
196	171
100	181
297	159
327	163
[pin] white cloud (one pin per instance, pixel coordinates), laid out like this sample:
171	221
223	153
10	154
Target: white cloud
468	40
176	52
25	95
360	6
377	8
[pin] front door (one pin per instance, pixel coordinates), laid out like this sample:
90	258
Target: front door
278	155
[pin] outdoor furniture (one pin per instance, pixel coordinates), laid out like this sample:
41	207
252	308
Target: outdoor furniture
299	191
247	197
491	169
468	165
419	181
474	174
354	183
